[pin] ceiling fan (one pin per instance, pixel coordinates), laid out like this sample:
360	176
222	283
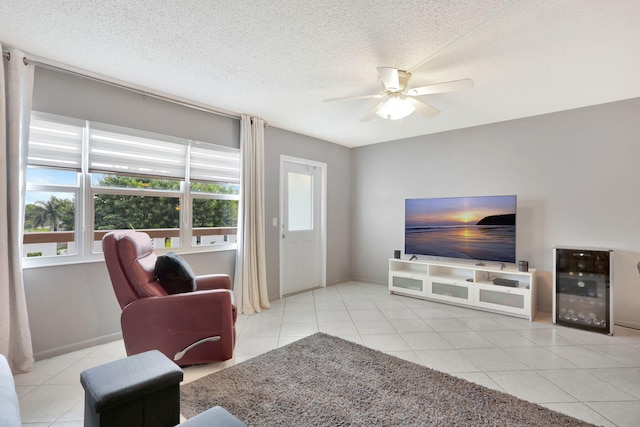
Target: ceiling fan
400	100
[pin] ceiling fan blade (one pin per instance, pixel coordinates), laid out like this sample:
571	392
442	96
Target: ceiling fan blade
347	98
372	112
455	85
389	77
424	109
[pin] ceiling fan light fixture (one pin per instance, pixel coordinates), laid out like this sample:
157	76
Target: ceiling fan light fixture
397	107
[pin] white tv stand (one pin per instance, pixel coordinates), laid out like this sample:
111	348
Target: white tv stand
466	284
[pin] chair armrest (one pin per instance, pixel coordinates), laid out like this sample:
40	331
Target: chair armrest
213	281
200	307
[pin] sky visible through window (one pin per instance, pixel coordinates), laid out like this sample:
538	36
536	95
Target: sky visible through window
46	177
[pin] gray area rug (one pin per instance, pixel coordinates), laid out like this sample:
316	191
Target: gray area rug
323	380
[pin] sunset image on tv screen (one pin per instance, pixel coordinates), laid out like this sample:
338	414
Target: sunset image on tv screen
478	228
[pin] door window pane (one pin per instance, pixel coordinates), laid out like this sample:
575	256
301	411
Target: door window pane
300	209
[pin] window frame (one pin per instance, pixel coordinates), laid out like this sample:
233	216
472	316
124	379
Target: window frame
77	191
85	191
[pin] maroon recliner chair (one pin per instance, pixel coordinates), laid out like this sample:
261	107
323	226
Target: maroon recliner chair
189	328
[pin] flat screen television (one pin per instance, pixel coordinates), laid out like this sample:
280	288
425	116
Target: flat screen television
481	228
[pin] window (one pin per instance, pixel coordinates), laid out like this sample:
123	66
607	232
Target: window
89	176
300	202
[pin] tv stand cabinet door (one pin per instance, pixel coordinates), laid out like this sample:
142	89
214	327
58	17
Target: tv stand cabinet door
504	299
452	291
407	284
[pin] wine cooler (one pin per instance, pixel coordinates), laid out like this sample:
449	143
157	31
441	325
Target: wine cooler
582	289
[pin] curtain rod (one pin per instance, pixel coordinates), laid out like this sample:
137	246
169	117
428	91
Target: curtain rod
107	81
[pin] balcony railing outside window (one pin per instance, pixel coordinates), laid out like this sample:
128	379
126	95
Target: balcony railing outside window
52	243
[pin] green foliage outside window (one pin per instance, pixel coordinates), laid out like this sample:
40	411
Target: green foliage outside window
55	214
200	187
215	213
136	182
120	211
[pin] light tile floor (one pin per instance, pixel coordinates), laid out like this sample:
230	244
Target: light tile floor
588	375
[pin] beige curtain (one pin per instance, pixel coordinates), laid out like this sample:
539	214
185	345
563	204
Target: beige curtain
16	88
250	284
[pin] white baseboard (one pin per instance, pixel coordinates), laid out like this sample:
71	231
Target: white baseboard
627	324
47	354
368	280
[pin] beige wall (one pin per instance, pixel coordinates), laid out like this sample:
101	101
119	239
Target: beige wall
73	306
575	173
338	160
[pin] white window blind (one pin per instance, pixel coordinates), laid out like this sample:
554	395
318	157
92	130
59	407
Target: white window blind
58	143
111	152
55	145
214	163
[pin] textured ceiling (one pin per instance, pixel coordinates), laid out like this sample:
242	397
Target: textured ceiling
279	59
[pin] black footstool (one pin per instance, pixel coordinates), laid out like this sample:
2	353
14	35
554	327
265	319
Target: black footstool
140	390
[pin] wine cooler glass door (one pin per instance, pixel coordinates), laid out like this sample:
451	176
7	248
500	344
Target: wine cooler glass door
582	289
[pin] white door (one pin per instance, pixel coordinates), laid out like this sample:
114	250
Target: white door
302	225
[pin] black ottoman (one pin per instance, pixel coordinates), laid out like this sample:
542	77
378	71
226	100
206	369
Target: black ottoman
140	390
